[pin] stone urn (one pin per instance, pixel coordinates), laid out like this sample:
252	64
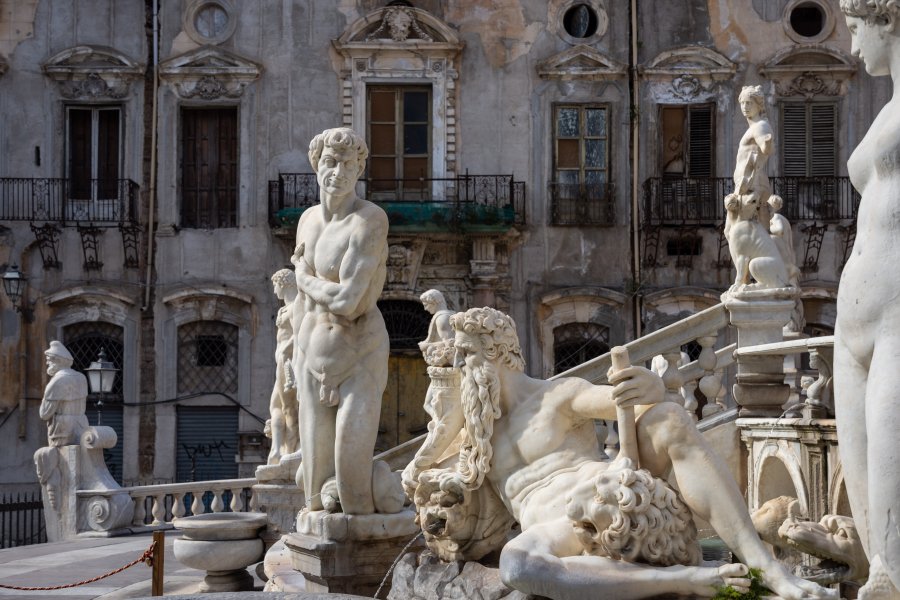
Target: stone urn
222	544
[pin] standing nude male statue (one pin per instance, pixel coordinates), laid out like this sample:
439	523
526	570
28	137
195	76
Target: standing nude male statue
341	343
591	528
754	149
867	332
282	423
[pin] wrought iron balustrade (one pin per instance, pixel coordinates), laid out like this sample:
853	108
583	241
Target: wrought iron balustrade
817	198
465	201
580	204
101	202
686	201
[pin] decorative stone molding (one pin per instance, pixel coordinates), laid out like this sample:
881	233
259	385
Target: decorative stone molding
582	63
92	73
809	71
209	73
689	73
403	263
556	12
405	45
209	21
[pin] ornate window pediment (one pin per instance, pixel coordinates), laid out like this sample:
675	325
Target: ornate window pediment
92	72
688	73
209	73
809	71
580	62
398	27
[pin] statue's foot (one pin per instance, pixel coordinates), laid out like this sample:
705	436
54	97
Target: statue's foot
879	586
777	578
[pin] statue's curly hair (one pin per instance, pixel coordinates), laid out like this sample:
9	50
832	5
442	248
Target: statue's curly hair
497	331
653	524
341	138
284	278
871	9
755	93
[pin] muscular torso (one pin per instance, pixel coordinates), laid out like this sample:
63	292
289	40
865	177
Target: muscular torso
749	144
869	289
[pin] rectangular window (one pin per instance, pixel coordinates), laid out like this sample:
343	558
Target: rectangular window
93	152
808	139
209	165
399	135
580	187
688	141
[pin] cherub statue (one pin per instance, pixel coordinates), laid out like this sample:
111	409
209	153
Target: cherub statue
591	529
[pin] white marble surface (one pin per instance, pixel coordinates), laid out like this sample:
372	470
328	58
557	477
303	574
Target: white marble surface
282	425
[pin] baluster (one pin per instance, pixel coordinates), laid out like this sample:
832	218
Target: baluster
601	430
672	377
140	513
252	503
818	396
235	504
178	505
197	504
612	440
711	383
217	504
690	399
159	509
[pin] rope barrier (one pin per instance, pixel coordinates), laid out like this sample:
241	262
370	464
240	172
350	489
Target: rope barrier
146	557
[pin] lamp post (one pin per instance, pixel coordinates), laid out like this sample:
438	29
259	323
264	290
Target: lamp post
14	286
102	376
14	282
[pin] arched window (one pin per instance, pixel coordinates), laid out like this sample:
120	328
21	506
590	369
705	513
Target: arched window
85	340
575	343
207	358
406	321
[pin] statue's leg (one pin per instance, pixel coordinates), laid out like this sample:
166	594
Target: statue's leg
668	437
317	428
850	406
882	423
357	430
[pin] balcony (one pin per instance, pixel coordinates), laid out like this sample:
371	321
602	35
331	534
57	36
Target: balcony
465	203
580	204
672	201
99	202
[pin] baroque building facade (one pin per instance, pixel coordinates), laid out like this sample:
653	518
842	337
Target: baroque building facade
563	160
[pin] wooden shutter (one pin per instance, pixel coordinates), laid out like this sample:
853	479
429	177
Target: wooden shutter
107	152
700	141
808	139
79	167
209	168
793	139
823	144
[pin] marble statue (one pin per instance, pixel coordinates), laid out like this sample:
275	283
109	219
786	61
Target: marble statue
590	528
340	344
754	149
65	398
282	424
783	236
442	398
753	249
867	336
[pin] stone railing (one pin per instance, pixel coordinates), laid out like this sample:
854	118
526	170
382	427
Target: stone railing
170	500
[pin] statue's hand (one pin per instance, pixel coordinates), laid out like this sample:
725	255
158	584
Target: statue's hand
705	581
636	385
298	252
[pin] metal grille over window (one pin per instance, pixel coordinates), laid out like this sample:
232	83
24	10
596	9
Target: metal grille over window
575	343
207	358
406	321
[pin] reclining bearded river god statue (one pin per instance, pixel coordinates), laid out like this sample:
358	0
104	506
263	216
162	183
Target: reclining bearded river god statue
590	528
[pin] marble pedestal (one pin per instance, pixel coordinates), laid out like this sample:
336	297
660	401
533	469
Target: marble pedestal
759	316
278	496
349	554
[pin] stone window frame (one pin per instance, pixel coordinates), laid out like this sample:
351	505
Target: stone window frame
193	9
415	61
827	26
556	14
597	305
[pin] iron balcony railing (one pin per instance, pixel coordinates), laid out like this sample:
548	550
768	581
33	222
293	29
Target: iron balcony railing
580	204
96	201
700	201
466	201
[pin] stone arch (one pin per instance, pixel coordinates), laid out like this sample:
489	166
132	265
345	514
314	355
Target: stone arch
776	462
838	501
600	306
667	306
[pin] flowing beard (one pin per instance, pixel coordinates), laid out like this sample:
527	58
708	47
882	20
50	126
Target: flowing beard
480	395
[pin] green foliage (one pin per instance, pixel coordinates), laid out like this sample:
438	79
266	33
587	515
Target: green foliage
756	592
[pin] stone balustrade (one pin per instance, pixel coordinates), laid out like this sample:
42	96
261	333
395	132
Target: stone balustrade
167	501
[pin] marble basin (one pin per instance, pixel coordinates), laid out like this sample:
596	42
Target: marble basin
223	545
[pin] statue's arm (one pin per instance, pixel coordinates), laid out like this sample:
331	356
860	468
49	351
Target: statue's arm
764	138
360	265
47	409
633	386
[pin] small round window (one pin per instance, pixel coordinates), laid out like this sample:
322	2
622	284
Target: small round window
580	21
808	21
209	21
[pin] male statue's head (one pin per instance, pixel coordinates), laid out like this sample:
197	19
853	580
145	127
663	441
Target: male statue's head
627	514
339	158
874	32
283	280
433	301
57	358
752	101
775	202
485	341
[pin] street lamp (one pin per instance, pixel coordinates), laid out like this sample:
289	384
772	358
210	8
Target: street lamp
14	286
102	376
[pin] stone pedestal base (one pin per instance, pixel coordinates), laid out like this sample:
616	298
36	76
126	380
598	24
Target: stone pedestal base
280	501
227	581
349	553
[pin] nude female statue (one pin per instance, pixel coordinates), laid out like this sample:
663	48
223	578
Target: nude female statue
867	333
341	344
